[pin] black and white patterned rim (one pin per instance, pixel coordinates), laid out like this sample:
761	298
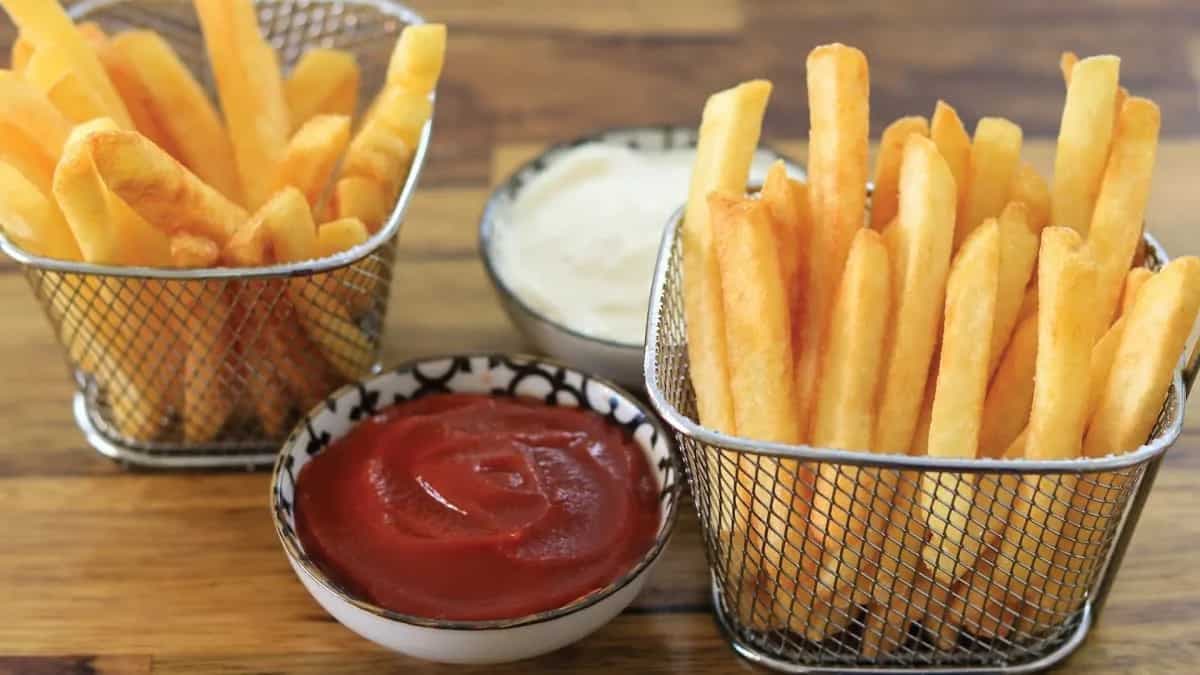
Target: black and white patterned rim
498	375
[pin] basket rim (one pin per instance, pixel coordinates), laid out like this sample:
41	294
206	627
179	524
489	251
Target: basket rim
304	268
687	428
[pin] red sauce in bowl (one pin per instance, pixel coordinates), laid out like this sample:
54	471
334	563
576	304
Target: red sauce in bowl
472	507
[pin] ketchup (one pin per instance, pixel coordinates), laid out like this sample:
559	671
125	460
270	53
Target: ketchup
472	507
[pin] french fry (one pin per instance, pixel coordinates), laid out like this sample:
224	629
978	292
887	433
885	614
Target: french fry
1066	64
1116	226
33	221
1029	304
845	514
838	89
995	160
1010	395
136	97
1083	141
1018	252
323	82
362	198
1156	329
416	62
192	251
50	70
378	154
787	203
102	223
159	188
885	199
19	54
759	350
34	130
729	131
1103	355
251	92
257	366
339	235
919	249
209	397
1133	283
950	136
311	156
954	536
45	23
1031	189
1066	337
178	104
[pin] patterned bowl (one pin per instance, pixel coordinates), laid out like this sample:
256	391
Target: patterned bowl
618	361
473	641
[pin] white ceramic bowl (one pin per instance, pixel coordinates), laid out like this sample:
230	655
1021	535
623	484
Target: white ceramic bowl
618	361
477	642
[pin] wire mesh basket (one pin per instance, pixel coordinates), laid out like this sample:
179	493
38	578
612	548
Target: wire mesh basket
213	367
821	559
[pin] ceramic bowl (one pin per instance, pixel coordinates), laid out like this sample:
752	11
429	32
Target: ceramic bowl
477	642
618	361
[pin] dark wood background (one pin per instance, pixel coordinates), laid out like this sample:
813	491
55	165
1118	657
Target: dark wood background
107	570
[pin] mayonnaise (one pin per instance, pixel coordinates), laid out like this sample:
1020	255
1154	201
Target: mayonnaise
579	244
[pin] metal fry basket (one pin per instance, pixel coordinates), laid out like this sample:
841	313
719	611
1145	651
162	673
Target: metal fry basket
213	367
1036	544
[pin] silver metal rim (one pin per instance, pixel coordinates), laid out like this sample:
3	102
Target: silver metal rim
487	221
760	658
684	426
305	268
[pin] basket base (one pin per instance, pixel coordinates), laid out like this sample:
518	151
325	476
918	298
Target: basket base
250	459
760	658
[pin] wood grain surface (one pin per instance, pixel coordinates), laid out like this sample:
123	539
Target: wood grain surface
107	570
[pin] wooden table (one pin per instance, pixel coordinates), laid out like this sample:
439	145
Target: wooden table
108	570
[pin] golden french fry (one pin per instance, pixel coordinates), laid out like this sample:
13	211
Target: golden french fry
787	203
34	131
1116	227
845	514
919	250
102	223
995	159
178	103
251	91
1156	329
136	97
1103	355
885	198
1083	141
950	136
954	536
1066	64
19	54
362	198
416	62
1133	283
378	154
323	82
33	221
193	251
311	156
45	23
729	131
339	235
1018	252
1031	189
838	90
1029	304
1066	337
759	352
208	395
160	189
49	69
1010	395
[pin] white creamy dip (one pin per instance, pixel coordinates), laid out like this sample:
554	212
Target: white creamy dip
579	244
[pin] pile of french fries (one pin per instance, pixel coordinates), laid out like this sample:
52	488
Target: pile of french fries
112	153
967	309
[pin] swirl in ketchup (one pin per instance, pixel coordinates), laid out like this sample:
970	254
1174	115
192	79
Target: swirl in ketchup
471	507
